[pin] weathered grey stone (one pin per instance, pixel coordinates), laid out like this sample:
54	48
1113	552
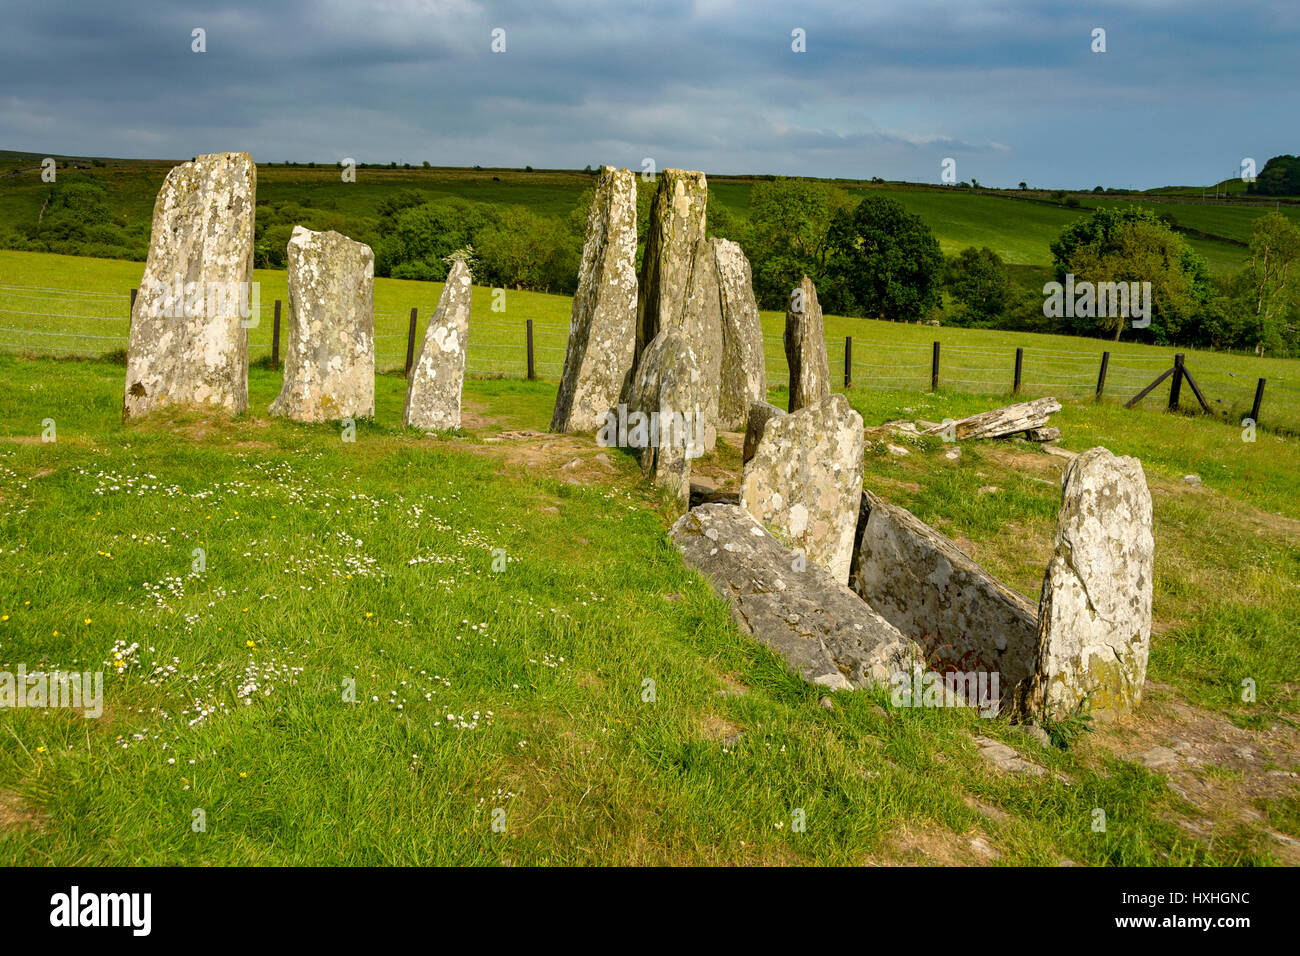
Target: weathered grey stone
188	342
805	348
743	373
759	415
825	632
676	226
438	373
702	329
805	481
1095	612
1047	433
1000	422
602	325
925	586
662	421
329	366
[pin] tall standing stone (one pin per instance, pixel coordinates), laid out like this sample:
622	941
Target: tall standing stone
805	347
1094	617
438	374
662	421
602	325
188	342
702	329
804	481
743	372
677	220
329	366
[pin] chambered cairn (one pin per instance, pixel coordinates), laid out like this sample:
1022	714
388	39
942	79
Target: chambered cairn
433	393
188	342
329	367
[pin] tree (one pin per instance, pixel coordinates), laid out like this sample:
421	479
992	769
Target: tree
885	262
1270	283
1023	184
978	280
789	229
1279	177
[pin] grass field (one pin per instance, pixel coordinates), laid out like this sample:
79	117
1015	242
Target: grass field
518	696
886	356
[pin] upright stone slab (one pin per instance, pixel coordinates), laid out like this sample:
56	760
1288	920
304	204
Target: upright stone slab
760	413
602	325
925	586
805	348
676	226
743	372
188	342
329	366
825	632
701	328
438	373
805	481
1094	626
663	424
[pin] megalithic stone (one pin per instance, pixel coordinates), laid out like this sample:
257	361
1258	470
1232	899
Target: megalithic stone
188	343
701	327
1094	616
677	219
663	424
805	348
438	375
743	371
602	325
329	366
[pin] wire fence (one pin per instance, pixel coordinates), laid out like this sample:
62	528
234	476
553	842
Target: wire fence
52	321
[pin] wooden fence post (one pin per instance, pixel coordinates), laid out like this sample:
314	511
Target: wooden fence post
934	369
848	361
1101	375
1175	387
532	373
275	337
1020	362
410	343
1259	398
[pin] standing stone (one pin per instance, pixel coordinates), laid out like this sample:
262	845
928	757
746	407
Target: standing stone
805	348
329	367
760	413
433	395
662	422
676	226
743	370
602	325
188	342
805	481
1094	625
702	329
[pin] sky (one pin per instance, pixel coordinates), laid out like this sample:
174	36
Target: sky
1012	91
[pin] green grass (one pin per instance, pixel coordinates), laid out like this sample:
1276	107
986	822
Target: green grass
371	561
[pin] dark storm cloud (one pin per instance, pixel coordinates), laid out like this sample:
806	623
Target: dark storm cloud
1010	89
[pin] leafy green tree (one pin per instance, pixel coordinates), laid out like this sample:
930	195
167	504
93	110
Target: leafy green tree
789	235
977	279
1279	177
885	262
1267	292
527	251
420	237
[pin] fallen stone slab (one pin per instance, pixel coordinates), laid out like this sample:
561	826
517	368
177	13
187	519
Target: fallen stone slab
804	481
932	592
1000	422
329	365
602	324
1095	611
188	341
825	632
438	376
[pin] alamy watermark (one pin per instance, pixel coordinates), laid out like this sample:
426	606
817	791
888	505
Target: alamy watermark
664	429
918	688
39	689
179	299
1088	300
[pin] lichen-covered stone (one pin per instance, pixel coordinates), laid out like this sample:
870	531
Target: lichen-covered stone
191	349
662	395
438	373
825	632
701	327
602	325
804	481
329	366
1095	612
676	226
743	372
920	582
805	348
760	413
